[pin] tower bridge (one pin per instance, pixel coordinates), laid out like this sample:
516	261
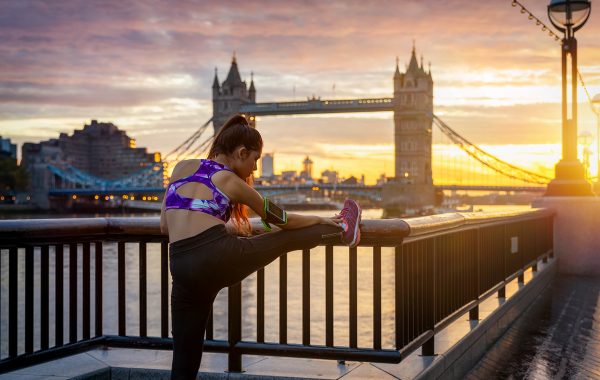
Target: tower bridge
412	105
318	106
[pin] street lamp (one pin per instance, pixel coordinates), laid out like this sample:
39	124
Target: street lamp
596	106
568	16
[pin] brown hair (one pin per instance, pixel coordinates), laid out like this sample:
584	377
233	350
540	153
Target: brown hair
235	132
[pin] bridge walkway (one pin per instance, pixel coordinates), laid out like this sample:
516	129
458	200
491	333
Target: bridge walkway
559	338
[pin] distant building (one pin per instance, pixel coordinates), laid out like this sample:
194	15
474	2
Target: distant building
267	166
307	165
382	179
350	181
288	176
8	149
329	176
100	151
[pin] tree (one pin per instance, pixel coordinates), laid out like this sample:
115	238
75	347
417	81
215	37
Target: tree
12	176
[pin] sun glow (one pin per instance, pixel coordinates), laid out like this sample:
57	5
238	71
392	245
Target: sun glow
450	164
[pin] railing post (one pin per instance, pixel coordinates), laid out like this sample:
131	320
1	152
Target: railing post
73	307
353	293
260	305
143	289
329	296
121	308
164	289
13	302
282	299
58	295
505	249
521	251
429	272
44	297
377	297
86	291
474	312
306	296
98	288
29	299
234	313
400	299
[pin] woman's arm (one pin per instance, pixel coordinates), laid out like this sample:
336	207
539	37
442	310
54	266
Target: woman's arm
239	191
298	221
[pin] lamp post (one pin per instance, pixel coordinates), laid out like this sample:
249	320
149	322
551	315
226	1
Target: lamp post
596	106
568	16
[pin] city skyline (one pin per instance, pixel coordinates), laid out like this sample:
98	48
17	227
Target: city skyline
149	70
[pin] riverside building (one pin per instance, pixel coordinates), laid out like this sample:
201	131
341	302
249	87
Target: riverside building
99	156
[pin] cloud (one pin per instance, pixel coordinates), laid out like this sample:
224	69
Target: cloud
149	66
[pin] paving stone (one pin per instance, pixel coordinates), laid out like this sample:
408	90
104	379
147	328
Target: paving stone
103	374
299	368
13	376
367	371
410	367
70	367
132	358
119	373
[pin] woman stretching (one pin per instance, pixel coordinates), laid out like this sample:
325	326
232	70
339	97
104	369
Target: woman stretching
205	256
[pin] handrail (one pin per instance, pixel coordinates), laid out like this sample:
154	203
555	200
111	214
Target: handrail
445	222
14	230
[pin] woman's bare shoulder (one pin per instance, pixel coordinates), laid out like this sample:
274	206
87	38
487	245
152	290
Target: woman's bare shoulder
184	168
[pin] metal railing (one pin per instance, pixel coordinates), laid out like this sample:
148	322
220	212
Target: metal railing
444	266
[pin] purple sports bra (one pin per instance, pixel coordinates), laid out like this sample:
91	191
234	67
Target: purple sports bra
219	206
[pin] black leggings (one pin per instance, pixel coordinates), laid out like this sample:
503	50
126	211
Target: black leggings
204	264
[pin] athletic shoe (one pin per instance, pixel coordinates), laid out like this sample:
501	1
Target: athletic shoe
350	216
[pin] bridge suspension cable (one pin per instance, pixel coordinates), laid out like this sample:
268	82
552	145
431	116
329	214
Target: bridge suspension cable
185	146
487	159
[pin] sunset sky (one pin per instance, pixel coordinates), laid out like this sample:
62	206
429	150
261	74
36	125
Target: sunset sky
148	67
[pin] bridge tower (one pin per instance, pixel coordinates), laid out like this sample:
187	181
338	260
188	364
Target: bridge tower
231	95
412	187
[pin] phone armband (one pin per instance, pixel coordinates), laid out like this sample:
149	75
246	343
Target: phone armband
273	214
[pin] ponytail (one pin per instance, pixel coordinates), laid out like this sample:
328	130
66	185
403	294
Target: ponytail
235	132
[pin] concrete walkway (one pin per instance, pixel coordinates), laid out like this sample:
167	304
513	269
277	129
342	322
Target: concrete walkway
559	338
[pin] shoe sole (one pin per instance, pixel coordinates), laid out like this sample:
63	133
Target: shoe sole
356	239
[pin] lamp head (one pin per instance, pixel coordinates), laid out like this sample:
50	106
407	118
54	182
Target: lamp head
569	15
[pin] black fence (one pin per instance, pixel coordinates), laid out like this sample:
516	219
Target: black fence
444	266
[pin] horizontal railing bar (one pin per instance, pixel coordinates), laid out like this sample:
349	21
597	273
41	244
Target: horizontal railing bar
531	263
318	352
159	343
416	343
513	276
26	360
272	349
491	291
452	221
147	229
455	315
435	234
